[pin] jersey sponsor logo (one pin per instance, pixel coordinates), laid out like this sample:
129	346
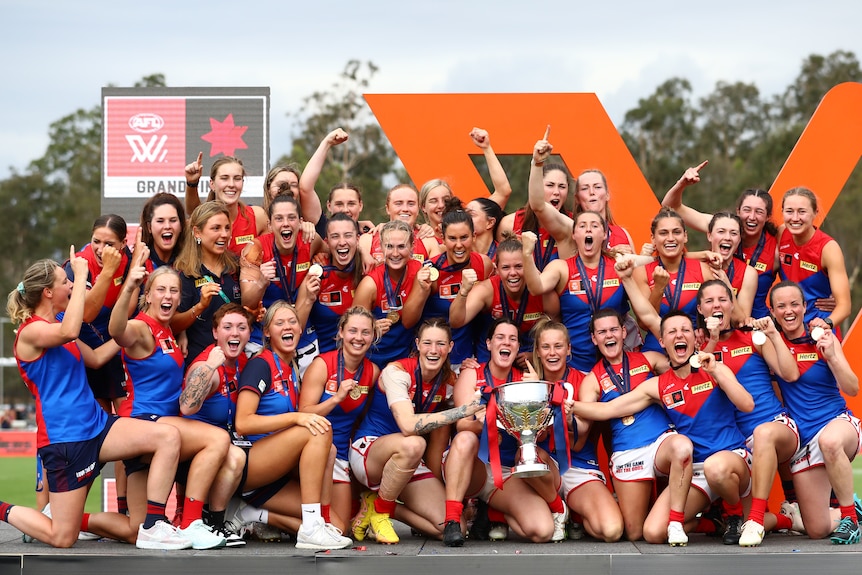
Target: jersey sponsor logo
575	286
611	283
701	387
674	399
760	266
419	257
302	267
741	351
244	239
639	369
629	467
167	345
806	357
808	266
532	316
607	384
118	281
332	298
691	286
201	282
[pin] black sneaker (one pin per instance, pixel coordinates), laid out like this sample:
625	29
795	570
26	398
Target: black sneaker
452	536
715	515
481	524
847	533
733	530
231	537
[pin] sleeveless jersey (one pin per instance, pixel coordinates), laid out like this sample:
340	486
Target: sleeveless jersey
545	241
637	429
335	298
739	354
398	341
533	312
701	411
437	305
814	399
154	383
219	408
506	444
275	382
764	263
576	310
420	253
687	300
343	416
243	230
803	264
65	407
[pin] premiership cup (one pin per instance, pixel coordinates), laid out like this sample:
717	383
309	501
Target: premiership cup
523	409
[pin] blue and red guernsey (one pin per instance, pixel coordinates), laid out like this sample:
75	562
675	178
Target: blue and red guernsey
154	383
764	263
343	416
220	407
274	381
804	265
683	291
66	410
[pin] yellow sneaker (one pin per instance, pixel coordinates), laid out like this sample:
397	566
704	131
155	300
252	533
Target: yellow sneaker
381	527
359	525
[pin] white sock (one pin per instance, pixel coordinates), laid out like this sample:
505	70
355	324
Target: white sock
251	514
311	514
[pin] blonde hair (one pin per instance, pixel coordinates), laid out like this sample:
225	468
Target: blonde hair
22	300
189	259
362	312
143	304
543	325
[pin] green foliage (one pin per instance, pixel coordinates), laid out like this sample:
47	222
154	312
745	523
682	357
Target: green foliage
366	159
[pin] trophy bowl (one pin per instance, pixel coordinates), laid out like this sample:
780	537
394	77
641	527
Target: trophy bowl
523	409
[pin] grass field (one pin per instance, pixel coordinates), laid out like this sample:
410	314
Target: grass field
18	482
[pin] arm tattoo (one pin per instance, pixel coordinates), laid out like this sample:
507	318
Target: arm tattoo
427	422
198	383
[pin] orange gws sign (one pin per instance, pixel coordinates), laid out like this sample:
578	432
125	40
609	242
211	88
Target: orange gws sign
429	134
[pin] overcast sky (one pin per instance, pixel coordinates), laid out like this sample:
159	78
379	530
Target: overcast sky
57	55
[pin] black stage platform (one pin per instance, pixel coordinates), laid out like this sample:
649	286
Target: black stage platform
780	555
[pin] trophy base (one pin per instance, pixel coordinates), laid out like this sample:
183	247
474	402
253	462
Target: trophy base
530	470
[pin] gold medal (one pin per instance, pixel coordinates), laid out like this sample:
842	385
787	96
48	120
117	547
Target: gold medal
356	392
433	274
393	316
628	419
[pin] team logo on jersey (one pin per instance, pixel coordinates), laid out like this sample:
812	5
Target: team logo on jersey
575	286
701	387
332	298
384	305
674	399
741	351
449	291
607	384
808	266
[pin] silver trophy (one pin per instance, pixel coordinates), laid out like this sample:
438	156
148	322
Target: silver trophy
523	409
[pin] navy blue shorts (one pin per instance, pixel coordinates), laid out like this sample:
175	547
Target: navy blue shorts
74	464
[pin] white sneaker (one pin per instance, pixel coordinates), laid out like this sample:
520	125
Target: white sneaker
560	520
87	536
792	510
498	532
676	536
752	534
46	511
163	536
202	536
321	536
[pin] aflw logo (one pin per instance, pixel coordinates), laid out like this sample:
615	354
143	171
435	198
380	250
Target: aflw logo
151	151
147	151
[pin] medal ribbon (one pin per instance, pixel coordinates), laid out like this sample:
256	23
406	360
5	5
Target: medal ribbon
421	402
291	383
504	304
392	295
340	370
438	263
622	381
593	299
673	298
289	287
491	425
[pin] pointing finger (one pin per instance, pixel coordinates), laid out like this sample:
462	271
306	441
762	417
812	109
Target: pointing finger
547	132
701	166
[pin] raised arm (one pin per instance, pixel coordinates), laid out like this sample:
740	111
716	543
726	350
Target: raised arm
128	333
775	351
558	224
193	171
502	188
673	199
642	307
539	283
309	200
471	299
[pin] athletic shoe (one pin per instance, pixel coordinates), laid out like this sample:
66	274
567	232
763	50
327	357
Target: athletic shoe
359	525
715	515
733	530
265	532
560	520
46	511
452	536
498	532
858	505
792	510
847	533
480	527
320	537
163	536
202	536
752	534
87	536
381	527
575	531
232	538
676	536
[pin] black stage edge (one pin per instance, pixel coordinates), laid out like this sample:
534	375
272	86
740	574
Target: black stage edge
779	554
